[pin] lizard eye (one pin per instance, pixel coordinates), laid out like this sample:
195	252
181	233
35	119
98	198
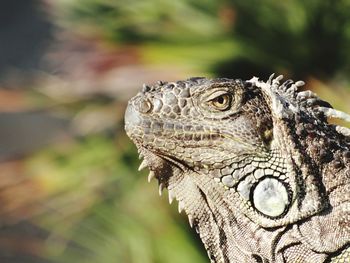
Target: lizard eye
221	102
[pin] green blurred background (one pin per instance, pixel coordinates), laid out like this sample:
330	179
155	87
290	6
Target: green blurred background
69	186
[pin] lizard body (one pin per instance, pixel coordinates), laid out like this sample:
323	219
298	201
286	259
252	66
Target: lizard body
260	173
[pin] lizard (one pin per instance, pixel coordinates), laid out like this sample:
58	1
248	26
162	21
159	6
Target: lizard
258	168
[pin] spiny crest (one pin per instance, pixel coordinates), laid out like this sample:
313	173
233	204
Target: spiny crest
286	100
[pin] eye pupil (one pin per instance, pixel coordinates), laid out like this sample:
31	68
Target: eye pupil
221	100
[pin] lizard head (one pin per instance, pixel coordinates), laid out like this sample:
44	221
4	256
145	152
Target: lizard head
199	124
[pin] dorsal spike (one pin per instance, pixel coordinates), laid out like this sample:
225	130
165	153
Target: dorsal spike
332	113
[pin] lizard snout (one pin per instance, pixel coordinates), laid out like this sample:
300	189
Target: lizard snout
135	113
132	118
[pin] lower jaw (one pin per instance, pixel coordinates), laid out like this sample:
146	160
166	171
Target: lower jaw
156	164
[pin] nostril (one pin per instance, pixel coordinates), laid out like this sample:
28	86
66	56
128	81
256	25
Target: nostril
144	106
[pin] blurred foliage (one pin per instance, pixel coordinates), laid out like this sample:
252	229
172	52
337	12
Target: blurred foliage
297	38
135	21
100	210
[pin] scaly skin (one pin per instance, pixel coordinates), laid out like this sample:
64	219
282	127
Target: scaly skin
258	170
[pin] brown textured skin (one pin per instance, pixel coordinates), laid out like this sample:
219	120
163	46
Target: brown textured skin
213	159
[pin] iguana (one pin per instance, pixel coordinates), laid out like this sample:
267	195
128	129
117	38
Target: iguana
256	166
